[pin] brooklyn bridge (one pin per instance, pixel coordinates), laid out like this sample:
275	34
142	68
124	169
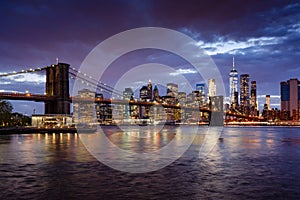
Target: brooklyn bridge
57	99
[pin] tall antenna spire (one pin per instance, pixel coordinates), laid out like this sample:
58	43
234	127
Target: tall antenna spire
232	62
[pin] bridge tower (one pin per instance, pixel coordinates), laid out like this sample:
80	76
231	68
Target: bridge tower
57	85
216	116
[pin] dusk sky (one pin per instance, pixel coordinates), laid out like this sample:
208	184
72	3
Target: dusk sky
263	36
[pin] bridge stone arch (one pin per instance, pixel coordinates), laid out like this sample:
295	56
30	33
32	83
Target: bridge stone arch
57	86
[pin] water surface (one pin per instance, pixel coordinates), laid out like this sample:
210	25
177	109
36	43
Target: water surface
247	163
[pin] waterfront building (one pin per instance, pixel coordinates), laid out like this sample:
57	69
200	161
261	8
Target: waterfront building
233	85
84	107
290	99
51	121
244	93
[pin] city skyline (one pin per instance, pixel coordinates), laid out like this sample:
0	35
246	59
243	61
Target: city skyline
263	37
204	89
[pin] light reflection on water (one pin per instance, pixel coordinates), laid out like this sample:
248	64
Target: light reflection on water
248	163
125	150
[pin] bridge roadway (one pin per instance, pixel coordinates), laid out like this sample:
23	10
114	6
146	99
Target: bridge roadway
45	98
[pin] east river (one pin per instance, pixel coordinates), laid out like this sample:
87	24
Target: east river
245	163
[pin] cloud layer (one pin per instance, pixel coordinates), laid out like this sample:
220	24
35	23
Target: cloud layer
263	37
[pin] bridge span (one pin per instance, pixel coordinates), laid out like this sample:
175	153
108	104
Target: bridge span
57	99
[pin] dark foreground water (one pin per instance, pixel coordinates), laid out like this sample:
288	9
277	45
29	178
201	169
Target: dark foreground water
248	163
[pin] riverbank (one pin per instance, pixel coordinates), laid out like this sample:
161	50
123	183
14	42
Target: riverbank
27	129
283	123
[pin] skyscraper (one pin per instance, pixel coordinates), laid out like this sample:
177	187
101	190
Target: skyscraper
181	97
268	102
84	109
190	97
235	103
290	97
149	87
233	84
244	93
144	93
127	94
200	87
172	90
200	93
155	93
253	99
212	88
127	109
